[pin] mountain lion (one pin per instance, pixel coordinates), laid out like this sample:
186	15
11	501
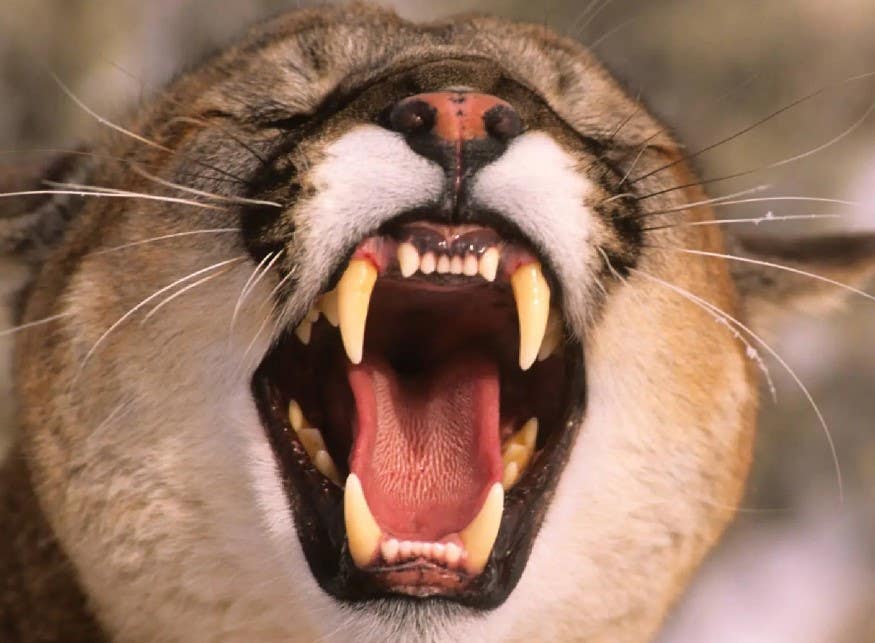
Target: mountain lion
366	330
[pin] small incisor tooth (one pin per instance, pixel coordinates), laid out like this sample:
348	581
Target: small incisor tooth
469	268
389	549
489	264
408	259
353	298
325	465
362	532
479	536
532	295
552	336
443	264
328	306
428	263
452	554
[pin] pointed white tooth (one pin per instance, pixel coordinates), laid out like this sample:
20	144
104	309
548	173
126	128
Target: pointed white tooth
532	295
453	554
511	473
438	550
304	331
457	264
362	531
489	264
428	263
353	297
405	549
328	306
312	441
443	264
296	416
479	536
325	465
470	266
408	259
552	336
389	549
313	315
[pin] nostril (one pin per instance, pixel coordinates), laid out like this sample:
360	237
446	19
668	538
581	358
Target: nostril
411	116
502	122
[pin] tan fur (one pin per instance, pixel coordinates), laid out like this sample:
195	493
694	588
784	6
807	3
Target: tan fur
149	462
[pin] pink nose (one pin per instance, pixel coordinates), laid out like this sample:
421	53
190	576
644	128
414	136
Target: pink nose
456	117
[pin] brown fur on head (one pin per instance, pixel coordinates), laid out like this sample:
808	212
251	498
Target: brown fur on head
139	431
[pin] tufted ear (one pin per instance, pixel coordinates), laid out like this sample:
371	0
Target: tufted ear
30	225
770	293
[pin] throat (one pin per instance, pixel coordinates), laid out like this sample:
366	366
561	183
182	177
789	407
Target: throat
426	445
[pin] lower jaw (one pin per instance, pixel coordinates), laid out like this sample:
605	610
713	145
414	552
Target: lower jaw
317	506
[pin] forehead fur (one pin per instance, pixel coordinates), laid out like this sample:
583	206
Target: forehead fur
288	66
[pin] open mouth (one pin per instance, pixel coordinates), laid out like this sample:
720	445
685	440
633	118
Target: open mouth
421	414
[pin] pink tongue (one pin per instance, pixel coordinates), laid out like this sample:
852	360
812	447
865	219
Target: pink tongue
426	447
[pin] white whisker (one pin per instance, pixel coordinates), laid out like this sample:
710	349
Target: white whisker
210	195
264	265
769	264
766	218
175	235
759	340
184	290
143	303
112	192
39	322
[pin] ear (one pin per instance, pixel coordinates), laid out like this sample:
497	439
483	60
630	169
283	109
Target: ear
31	225
769	293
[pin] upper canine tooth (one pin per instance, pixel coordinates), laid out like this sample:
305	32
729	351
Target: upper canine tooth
353	297
479	536
428	263
532	295
328	306
552	336
362	532
489	264
408	259
470	266
443	264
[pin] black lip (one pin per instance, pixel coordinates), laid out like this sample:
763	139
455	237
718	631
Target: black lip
317	504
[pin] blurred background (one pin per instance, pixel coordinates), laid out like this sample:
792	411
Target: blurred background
799	565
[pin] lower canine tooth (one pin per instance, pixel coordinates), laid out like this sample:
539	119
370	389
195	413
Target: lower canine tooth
408	259
362	531
532	295
353	298
325	465
479	536
511	473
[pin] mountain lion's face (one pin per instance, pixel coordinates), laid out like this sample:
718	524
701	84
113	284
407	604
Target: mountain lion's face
405	348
